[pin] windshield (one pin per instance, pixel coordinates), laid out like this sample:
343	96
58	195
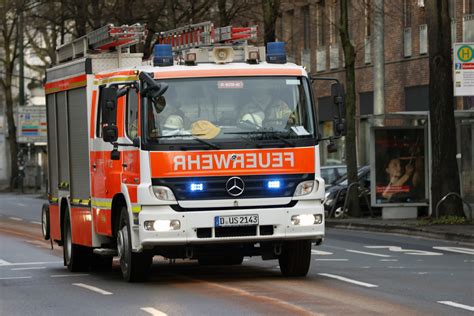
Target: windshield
224	109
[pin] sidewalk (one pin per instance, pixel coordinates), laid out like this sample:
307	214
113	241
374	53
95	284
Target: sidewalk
413	227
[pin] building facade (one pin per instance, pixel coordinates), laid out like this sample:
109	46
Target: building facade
310	29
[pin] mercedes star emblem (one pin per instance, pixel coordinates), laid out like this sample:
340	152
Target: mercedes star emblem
235	186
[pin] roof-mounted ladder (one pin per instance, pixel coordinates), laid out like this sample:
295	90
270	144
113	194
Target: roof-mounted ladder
205	34
104	39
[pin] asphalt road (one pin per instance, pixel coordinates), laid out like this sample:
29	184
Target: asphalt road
352	273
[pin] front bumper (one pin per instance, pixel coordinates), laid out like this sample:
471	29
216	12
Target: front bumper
278	218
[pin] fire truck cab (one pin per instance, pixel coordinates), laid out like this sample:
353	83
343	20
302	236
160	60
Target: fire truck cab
210	152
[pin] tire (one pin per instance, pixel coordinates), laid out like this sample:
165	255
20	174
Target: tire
76	258
45	223
295	258
224	261
135	266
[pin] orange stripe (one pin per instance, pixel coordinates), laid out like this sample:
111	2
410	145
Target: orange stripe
65	84
223	163
132	193
226	73
120	115
115	73
93	113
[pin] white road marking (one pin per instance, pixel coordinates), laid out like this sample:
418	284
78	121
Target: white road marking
21	204
468	251
5	263
420	273
16	219
368	253
340	278
394	267
406	251
454	304
388	260
331	259
14	278
66	275
153	311
93	288
32	268
320	252
37	223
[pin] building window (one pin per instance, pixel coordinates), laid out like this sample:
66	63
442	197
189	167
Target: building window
452	10
333	22
368	19
470	6
406	13
306	27
320	23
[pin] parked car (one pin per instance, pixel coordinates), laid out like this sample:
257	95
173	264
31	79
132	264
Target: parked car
332	173
330	201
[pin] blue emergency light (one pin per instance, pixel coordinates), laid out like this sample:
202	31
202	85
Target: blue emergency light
196	186
162	55
276	53
274	184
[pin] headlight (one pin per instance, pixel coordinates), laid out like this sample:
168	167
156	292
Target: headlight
163	193
162	225
306	219
305	188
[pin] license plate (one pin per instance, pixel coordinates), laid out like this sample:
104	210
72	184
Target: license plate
236	220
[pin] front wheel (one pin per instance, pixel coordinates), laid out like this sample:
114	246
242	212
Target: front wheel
135	266
295	258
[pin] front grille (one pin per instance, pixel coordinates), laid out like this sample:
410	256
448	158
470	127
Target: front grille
215	187
238	231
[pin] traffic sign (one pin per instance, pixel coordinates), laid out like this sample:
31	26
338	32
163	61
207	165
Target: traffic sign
31	124
463	69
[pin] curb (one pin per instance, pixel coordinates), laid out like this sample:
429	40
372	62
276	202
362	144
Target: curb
404	230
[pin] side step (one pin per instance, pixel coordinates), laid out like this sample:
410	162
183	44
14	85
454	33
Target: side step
105	252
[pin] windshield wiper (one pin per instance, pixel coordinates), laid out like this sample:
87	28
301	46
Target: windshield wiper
193	137
275	134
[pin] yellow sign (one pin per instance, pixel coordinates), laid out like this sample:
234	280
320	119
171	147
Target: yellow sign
465	53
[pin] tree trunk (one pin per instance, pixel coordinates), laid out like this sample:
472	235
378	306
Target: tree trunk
11	130
445	176
223	17
271	10
351	154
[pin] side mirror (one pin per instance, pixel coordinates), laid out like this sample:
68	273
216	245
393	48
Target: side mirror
110	133
339	121
331	148
153	90
109	98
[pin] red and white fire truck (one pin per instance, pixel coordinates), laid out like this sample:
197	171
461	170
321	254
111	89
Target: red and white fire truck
207	151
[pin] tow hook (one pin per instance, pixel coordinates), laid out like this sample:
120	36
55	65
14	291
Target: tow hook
189	253
277	249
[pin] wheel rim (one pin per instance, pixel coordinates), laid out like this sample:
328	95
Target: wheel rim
68	247
43	223
121	248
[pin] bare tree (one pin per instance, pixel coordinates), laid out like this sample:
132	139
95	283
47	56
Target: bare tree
271	11
9	40
349	57
444	178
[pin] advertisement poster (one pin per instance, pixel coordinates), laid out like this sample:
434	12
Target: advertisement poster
400	165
